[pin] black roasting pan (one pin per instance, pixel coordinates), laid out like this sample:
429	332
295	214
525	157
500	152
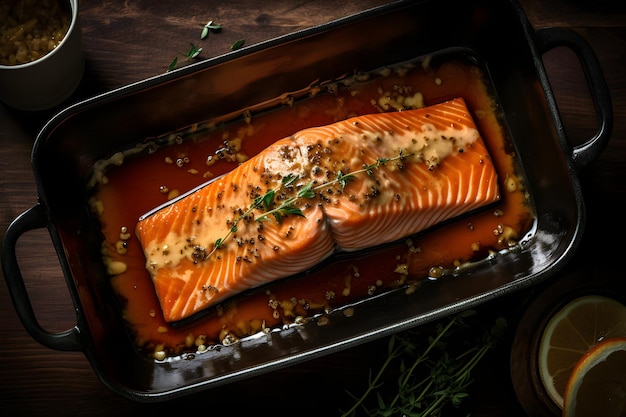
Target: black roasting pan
495	31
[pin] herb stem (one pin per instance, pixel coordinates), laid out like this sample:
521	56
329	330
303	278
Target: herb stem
442	380
421	358
434	406
469	366
394	353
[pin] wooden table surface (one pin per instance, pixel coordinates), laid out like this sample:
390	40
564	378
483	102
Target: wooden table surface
126	41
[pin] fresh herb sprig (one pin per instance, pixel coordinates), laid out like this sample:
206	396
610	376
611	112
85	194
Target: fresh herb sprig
435	378
288	206
194	52
266	200
309	190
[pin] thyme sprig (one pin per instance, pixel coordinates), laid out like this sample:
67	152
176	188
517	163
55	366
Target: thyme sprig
286	207
435	378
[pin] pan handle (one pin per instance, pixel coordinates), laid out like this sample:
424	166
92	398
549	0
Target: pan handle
548	38
31	219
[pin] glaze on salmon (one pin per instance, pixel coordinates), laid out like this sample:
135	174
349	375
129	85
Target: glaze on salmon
346	186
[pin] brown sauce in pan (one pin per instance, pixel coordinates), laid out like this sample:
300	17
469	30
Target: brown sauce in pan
144	181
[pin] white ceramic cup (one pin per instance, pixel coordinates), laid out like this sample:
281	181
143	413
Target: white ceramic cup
49	80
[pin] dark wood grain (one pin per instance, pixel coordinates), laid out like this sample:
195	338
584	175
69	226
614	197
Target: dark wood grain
127	41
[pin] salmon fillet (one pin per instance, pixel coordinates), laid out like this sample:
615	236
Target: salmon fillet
350	185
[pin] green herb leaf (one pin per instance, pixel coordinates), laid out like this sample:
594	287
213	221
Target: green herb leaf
277	216
306	191
193	51
268	198
344	179
293	210
172	65
289	180
209	27
238	44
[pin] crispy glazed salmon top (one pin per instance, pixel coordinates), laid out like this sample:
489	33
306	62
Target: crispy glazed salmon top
347	186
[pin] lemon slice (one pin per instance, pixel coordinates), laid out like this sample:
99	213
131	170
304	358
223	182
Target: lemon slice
597	385
571	333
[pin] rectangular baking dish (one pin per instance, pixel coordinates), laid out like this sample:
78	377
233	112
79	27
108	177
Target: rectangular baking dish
497	32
